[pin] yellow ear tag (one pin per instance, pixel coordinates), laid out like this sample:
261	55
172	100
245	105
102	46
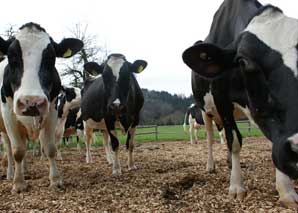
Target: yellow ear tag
140	69
67	53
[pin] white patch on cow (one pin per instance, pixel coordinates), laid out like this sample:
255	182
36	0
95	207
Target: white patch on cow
285	188
236	182
246	112
32	42
117	101
74	103
279	32
96	125
294	142
210	107
193	129
115	63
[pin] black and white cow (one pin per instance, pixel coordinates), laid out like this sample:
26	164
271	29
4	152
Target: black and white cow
29	92
68	99
250	58
74	126
194	117
112	100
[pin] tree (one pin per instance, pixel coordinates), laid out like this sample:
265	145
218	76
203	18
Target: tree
9	32
73	69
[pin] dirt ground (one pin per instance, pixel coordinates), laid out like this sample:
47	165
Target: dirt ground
171	177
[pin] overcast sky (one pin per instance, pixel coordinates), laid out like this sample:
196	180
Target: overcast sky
154	30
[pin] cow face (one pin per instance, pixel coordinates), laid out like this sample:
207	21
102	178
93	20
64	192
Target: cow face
30	76
117	74
265	55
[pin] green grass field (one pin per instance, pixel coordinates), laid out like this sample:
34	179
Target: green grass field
173	133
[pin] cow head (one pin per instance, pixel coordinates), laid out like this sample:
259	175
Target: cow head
117	74
31	78
69	98
266	56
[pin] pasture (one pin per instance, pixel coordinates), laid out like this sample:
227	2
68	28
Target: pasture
171	133
171	177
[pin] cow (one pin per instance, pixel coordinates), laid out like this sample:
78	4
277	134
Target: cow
195	119
112	100
249	58
74	126
68	99
29	92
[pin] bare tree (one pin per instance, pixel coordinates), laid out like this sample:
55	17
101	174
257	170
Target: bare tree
8	34
73	70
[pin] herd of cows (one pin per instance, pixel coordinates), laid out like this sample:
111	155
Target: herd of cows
247	63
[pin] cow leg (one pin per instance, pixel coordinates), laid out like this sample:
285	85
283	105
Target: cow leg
6	141
130	147
222	136
209	131
286	191
59	135
47	140
18	143
115	148
196	134
236	189
89	137
42	155
107	146
191	132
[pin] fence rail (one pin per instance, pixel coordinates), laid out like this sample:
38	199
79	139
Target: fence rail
156	132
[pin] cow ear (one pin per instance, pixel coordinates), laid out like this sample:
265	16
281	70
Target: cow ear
68	47
93	68
208	60
138	66
4	45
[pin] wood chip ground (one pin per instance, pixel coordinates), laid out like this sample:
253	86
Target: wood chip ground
171	177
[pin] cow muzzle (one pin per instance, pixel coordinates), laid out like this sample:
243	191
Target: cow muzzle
31	105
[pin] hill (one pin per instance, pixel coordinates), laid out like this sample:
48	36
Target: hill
163	108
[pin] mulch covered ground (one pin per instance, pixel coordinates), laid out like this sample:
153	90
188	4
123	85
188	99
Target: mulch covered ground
171	178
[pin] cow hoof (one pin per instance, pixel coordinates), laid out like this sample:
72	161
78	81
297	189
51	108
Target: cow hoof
19	187
237	192
117	172
9	174
132	168
211	168
289	200
88	160
58	184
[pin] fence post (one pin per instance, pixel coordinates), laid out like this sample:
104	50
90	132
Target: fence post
156	133
249	128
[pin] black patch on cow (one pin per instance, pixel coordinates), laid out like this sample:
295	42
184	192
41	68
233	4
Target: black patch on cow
30	25
127	140
71	119
267	7
70	94
14	70
48	75
195	113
